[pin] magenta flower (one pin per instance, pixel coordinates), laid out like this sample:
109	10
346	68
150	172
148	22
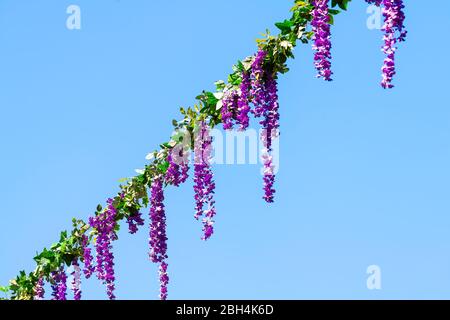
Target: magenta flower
76	280
229	109
394	32
257	89
105	224
134	221
177	172
243	107
59	285
39	290
163	280
158	237
204	185
322	35
87	258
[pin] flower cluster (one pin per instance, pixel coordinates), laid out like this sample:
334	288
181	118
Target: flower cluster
229	109
177	172
235	105
158	236
59	285
76	280
105	224
204	185
243	107
270	124
87	257
264	90
39	290
394	32
322	35
134	221
163	280
257	90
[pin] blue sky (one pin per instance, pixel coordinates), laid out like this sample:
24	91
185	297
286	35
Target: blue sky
364	173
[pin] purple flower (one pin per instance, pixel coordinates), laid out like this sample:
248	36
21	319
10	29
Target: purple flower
134	221
271	117
76	280
322	35
394	32
204	185
270	124
229	109
243	107
163	280
265	98
257	90
105	224
177	172
39	290
87	257
269	178
59	285
158	237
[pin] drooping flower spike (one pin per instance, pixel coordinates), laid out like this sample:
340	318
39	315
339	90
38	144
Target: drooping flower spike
163	280
257	90
204	185
59	285
177	172
105	224
322	39
158	235
39	291
270	124
134	222
76	280
229	109
87	257
394	33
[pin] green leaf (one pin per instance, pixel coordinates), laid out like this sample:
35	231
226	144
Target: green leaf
285	26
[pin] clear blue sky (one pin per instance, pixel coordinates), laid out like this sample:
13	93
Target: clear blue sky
364	176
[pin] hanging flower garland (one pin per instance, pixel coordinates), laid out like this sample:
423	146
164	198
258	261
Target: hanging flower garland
39	291
394	33
322	35
204	185
105	223
59	285
76	280
87	257
251	90
158	235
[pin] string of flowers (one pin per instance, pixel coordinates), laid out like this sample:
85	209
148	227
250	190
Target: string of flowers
59	285
105	224
87	257
394	33
39	290
252	83
322	36
76	280
158	236
204	184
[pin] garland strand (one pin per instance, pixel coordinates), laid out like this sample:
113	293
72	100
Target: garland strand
251	90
